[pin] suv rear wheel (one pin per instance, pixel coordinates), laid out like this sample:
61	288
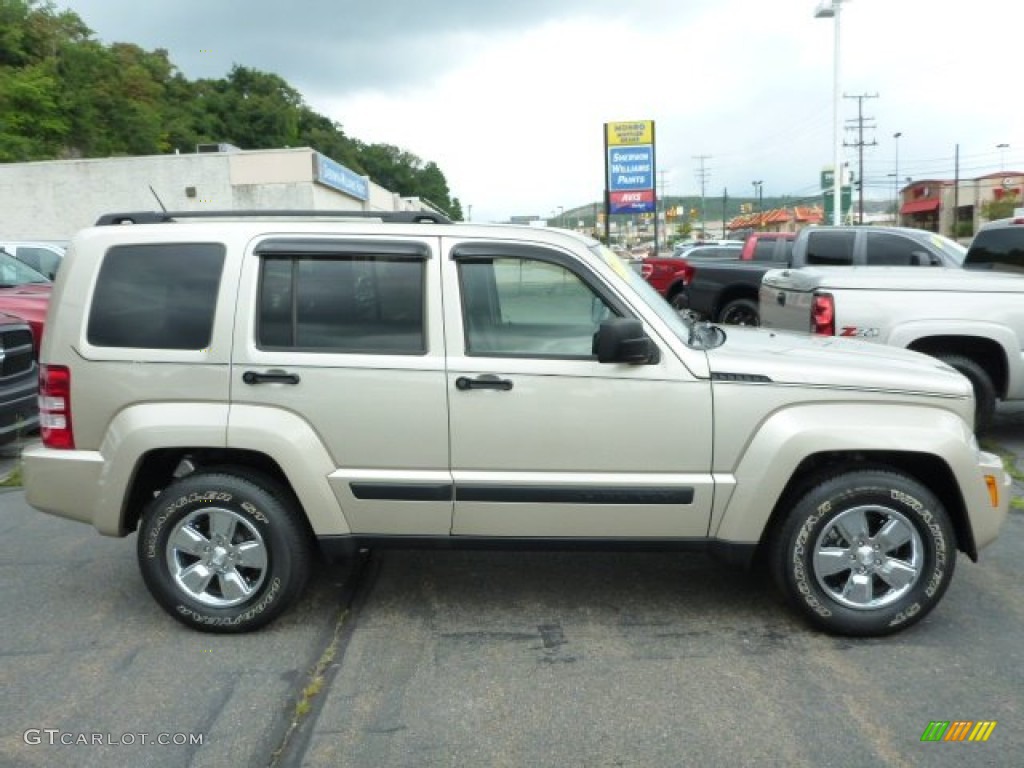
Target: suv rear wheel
868	552
223	551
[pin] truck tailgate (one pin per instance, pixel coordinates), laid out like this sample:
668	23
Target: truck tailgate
785	299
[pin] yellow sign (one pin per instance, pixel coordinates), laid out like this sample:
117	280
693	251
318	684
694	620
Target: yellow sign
635	132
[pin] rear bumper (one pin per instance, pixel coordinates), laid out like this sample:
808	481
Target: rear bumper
66	484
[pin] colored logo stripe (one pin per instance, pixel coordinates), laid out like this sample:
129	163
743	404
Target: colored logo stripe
958	730
983	730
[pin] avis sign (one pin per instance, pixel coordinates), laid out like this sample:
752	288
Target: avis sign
629	162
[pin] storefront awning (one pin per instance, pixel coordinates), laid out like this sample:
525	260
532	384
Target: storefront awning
919	206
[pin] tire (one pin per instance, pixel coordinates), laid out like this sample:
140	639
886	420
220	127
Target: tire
865	553
740	312
224	551
984	389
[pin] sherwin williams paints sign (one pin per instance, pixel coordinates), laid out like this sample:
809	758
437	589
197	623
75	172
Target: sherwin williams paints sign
629	162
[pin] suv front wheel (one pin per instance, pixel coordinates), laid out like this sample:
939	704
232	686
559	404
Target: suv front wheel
867	553
223	552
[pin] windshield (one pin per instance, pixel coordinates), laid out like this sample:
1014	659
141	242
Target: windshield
683	326
951	249
14	272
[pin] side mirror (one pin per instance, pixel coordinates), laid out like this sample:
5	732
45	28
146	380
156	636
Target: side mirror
622	340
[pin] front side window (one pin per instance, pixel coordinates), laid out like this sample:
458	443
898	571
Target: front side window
160	296
830	248
888	250
523	307
347	303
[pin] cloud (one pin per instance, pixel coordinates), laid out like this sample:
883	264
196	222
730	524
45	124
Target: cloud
510	99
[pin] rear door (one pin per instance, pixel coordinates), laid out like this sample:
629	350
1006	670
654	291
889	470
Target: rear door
546	441
339	347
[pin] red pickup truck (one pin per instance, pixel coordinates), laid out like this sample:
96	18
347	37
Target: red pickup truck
24	293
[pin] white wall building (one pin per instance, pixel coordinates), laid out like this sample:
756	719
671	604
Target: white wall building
51	200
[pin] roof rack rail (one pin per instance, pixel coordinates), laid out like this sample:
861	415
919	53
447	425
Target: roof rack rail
164	217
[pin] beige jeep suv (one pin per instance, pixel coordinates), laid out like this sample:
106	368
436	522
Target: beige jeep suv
246	390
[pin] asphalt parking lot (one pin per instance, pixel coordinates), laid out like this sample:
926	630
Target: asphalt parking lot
494	659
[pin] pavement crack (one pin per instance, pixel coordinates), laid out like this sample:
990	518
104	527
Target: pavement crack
308	701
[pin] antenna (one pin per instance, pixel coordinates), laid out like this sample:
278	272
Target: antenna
158	200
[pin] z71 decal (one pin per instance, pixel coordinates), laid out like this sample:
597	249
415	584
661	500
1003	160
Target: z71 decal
859	333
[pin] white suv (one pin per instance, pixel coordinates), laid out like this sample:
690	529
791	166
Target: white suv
246	389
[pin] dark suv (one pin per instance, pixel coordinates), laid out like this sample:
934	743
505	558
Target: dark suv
999	246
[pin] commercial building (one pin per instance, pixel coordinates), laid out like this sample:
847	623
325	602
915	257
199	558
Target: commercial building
956	208
54	199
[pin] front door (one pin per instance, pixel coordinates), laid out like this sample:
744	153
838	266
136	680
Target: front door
545	440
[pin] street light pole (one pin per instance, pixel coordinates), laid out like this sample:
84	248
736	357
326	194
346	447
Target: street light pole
832	11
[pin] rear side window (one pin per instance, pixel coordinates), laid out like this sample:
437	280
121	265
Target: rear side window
1001	249
764	249
830	248
347	303
156	296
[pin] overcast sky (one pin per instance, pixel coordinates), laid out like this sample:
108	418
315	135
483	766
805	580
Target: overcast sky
509	99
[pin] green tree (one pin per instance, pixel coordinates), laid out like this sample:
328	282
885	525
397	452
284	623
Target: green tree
65	94
1000	209
32	124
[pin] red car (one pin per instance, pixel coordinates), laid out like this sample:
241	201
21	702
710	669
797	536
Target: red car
669	275
24	293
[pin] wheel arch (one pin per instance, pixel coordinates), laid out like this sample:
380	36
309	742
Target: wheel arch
797	446
928	469
157	468
985	351
731	294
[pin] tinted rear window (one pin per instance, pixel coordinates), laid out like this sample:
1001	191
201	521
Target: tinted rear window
156	296
835	248
764	249
999	249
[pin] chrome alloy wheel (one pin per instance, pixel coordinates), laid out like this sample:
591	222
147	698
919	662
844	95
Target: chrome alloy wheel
868	557
217	557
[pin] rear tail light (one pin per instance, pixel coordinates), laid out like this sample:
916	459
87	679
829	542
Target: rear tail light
823	315
686	271
55	407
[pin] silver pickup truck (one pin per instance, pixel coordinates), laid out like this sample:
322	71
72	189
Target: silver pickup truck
972	320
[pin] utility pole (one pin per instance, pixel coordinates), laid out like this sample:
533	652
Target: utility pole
956	194
703	176
725	204
661	202
860	144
